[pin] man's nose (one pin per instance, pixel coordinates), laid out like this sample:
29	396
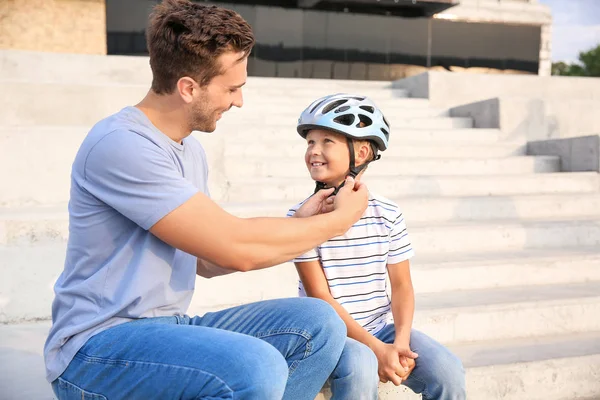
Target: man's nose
238	101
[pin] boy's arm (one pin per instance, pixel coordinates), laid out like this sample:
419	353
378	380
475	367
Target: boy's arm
315	284
403	305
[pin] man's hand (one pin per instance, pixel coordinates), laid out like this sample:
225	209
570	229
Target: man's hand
351	202
318	203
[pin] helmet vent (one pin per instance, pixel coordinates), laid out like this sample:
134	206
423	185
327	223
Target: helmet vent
368	109
386	122
358	98
342	109
386	133
333	105
317	105
366	121
347	119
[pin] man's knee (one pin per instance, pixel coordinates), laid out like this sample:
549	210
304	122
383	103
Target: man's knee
265	372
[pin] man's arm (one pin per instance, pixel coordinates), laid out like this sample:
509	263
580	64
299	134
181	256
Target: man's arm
206	269
200	227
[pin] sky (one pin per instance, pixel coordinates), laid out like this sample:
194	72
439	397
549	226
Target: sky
575	28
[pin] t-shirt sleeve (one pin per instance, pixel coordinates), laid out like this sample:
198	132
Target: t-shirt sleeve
310	255
136	177
400	246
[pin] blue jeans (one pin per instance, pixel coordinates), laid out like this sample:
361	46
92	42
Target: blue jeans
438	374
276	349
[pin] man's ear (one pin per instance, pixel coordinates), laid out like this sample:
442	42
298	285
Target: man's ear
186	87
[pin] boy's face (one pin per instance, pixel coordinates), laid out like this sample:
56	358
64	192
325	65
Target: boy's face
327	157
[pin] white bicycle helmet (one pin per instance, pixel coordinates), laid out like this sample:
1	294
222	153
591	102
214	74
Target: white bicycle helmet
343	113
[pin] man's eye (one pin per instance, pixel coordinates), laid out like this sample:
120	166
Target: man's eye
233	90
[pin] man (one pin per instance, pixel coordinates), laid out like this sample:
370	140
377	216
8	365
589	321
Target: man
142	226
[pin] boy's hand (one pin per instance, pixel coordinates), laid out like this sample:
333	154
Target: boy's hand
318	203
351	201
407	359
389	367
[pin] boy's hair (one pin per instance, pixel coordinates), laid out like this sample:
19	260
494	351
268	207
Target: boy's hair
185	39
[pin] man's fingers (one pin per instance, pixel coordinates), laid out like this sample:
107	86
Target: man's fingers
323	193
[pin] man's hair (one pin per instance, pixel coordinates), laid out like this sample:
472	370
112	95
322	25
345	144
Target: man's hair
185	39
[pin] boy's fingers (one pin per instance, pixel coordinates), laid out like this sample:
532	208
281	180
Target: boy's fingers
404	363
408	353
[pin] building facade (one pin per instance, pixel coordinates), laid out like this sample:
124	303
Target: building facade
351	39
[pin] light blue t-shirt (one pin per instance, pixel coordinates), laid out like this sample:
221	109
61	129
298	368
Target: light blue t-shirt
126	176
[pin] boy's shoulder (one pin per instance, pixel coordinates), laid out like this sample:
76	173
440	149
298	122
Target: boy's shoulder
382	205
292	210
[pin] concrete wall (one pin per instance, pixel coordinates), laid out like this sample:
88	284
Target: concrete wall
577	154
447	89
62	26
534	119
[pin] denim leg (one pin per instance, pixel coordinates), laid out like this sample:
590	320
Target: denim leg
306	331
438	373
162	358
355	376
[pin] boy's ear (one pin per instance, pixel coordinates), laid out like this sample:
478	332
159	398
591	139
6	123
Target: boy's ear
364	150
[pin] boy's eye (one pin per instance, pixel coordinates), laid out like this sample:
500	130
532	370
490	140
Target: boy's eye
233	90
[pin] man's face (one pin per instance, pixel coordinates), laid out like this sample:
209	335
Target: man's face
223	92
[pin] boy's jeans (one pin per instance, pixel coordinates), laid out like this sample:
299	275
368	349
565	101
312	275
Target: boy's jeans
284	348
438	374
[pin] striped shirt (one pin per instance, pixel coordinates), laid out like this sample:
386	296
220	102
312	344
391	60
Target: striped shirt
355	264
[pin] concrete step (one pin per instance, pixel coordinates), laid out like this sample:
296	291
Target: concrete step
33	224
509	235
401	148
67	104
293	190
508	313
27	66
286	135
255	112
476	208
403	121
394	167
434	273
559	367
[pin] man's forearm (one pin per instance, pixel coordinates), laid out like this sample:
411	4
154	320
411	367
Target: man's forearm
403	308
265	242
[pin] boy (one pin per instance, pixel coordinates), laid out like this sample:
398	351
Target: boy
344	133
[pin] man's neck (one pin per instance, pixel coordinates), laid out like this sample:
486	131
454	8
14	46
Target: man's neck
166	115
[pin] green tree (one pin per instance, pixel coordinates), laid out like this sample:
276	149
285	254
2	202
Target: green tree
589	65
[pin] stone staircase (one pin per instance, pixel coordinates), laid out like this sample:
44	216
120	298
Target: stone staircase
507	271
